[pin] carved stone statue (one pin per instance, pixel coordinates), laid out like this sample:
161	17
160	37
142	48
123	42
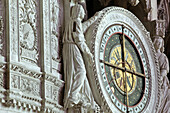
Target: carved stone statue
164	69
77	89
134	2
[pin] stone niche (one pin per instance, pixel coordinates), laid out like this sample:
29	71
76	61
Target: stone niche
30	57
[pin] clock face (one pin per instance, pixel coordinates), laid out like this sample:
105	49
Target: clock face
123	69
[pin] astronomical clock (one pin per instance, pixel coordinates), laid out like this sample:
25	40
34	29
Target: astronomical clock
125	68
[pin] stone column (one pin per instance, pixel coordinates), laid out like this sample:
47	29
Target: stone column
51	24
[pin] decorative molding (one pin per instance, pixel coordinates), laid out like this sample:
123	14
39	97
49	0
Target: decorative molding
55	80
15	81
13	27
25	71
2	66
159	28
24	92
53	91
1	34
48	90
25	85
57	109
2	80
46	35
163	12
56	10
28	31
29	86
18	99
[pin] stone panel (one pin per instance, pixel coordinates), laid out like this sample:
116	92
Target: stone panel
13	29
53	94
28	31
56	17
2	31
30	35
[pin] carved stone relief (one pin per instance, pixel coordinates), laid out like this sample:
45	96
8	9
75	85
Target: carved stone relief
159	28
1	34
2	80
46	34
56	94
56	10
24	93
15	81
29	86
25	85
25	71
164	69
163	12
53	90
28	32
1	26
48	91
13	28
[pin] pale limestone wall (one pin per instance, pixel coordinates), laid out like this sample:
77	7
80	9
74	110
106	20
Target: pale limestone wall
30	56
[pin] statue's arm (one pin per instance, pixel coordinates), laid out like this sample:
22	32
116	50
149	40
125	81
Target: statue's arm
80	40
90	21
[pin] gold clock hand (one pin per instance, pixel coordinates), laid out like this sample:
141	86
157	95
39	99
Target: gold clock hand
123	69
112	65
124	72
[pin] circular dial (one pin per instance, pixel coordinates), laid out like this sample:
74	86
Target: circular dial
123	67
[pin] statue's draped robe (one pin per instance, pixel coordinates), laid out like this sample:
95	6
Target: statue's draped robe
165	91
77	88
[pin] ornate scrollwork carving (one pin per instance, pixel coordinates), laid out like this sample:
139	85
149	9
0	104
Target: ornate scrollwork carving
28	31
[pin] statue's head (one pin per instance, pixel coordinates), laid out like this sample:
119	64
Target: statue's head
77	11
134	2
158	43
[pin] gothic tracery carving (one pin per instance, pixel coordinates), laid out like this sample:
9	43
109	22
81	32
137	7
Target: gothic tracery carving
163	12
